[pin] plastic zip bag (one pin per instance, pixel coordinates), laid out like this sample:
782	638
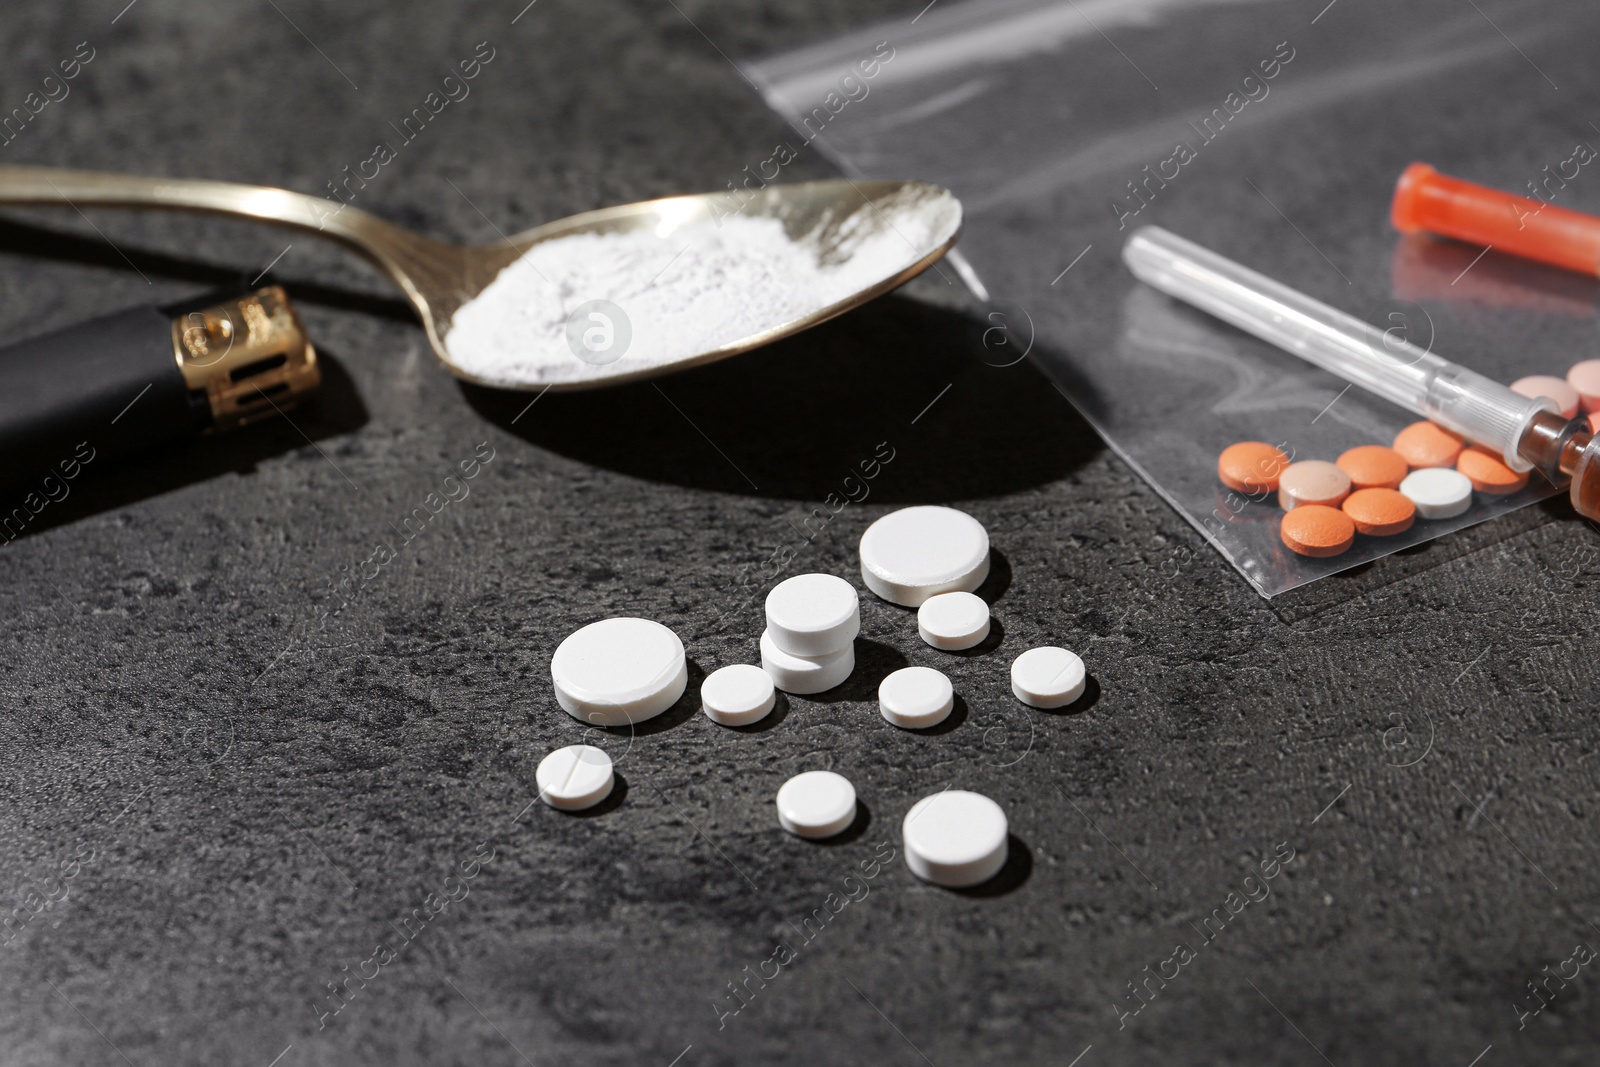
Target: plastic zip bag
1266	131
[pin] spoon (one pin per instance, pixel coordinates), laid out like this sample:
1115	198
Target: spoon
827	218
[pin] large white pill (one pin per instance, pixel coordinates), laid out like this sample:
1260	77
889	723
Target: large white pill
817	804
1438	492
737	695
619	671
575	777
911	554
916	698
953	621
1048	677
805	675
955	838
813	614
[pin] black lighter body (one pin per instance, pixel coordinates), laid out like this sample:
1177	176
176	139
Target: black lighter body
147	376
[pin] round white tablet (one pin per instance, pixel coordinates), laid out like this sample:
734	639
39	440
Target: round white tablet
804	675
953	621
737	695
813	614
911	554
817	804
1048	677
1438	492
575	777
619	671
916	698
955	838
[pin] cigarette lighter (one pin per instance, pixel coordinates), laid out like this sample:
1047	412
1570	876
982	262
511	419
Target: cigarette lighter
152	375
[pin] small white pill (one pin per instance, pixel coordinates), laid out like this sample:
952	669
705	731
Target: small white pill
817	804
916	698
1438	492
953	621
813	614
955	838
619	671
1048	677
737	695
911	554
575	777
804	675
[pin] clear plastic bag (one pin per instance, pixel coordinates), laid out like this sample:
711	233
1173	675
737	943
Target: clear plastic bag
1267	132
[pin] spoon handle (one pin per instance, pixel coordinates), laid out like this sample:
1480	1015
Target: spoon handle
48	186
391	248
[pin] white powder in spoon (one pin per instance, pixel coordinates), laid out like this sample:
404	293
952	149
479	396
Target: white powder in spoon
591	306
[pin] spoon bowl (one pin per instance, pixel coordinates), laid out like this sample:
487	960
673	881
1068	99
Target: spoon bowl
828	219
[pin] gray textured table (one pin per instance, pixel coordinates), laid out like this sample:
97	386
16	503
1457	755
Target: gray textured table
234	797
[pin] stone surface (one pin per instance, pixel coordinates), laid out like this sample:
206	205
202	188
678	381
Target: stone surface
255	792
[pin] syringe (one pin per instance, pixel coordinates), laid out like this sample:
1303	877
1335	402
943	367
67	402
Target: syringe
1529	433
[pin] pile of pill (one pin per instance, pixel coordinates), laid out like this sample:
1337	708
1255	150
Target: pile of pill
1428	473
623	671
809	643
1371	490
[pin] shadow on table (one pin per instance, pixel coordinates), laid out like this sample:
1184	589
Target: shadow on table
1018	867
895	389
858	827
61	246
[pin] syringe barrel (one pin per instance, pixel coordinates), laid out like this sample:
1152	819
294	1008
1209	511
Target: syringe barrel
1483	411
1376	357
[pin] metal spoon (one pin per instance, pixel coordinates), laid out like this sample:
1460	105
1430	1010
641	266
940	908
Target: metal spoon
439	278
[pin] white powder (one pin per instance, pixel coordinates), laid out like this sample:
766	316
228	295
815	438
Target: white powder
681	293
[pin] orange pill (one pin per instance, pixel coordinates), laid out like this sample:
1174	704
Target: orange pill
1380	512
1427	444
1312	481
1488	472
1374	467
1317	530
1251	467
1585	378
1557	389
1594	422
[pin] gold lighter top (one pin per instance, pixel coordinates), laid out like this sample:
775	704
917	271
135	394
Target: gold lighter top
249	356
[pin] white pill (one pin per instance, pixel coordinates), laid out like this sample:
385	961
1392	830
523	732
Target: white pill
575	777
1438	492
619	671
737	695
953	621
813	614
817	804
805	675
916	698
1048	677
955	838
911	554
